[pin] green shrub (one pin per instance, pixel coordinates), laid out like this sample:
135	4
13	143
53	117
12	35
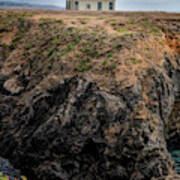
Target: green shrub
135	60
122	30
83	22
60	21
83	66
146	24
104	62
56	41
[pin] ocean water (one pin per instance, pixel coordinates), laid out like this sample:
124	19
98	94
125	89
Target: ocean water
176	157
148	5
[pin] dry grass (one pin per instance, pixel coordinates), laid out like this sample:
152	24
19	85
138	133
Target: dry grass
110	47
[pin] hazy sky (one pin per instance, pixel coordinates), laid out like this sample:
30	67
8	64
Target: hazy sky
158	5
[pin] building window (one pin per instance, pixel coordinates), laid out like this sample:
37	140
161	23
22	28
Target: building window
76	5
99	5
88	6
67	4
111	6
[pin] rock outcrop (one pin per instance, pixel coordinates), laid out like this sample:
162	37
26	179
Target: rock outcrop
84	105
75	130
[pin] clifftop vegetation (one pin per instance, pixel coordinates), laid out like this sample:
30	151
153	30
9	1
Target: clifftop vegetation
105	46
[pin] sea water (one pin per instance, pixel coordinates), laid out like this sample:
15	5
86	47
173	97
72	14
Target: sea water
176	157
148	5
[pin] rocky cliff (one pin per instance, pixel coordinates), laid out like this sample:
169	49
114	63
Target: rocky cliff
85	99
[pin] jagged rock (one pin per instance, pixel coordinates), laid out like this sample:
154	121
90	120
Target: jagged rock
74	130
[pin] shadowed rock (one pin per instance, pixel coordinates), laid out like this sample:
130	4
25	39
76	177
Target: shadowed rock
75	130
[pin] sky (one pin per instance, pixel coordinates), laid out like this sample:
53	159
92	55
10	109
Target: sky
123	5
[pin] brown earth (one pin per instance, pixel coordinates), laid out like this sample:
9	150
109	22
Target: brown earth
89	95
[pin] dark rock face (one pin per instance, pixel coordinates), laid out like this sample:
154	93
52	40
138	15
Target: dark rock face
73	130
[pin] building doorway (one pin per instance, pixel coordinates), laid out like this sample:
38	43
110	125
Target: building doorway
76	5
99	5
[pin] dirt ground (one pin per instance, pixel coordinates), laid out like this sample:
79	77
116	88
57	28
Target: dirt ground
113	45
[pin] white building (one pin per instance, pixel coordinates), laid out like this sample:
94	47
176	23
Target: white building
104	5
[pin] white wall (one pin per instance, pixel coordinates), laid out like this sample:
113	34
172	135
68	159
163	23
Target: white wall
93	3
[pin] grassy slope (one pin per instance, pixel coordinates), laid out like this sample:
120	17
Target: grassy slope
111	48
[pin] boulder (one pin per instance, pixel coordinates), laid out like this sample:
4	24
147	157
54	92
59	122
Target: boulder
13	86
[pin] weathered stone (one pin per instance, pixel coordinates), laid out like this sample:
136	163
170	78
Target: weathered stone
13	86
74	130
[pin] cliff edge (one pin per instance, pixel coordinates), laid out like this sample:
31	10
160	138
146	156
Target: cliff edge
87	96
